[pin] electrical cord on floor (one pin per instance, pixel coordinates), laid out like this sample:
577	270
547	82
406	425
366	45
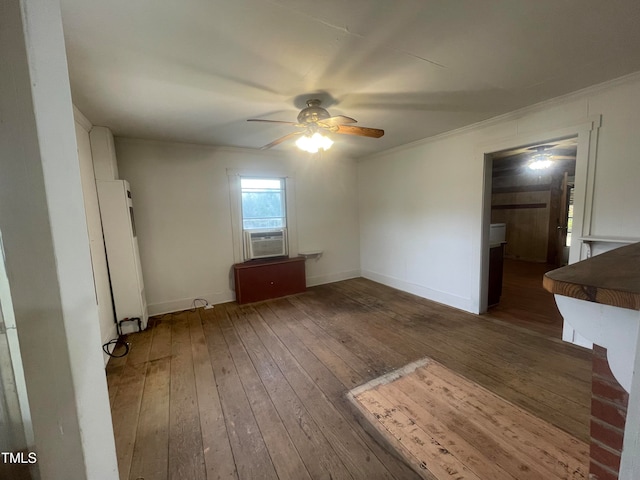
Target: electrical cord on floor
194	305
115	342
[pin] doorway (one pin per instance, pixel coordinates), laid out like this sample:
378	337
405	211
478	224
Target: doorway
531	203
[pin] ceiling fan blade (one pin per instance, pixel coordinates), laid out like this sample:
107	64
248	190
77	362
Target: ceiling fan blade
337	120
270	121
280	140
361	131
542	148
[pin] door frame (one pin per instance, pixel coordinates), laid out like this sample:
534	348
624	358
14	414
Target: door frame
586	154
562	231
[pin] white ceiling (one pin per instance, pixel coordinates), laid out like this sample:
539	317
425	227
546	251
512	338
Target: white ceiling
195	70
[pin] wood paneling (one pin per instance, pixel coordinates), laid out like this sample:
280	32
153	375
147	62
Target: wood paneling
545	187
518	206
526	215
259	391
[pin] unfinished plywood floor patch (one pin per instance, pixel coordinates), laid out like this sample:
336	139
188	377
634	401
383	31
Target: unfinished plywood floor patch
452	428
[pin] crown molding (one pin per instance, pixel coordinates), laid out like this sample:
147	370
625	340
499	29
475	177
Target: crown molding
513	115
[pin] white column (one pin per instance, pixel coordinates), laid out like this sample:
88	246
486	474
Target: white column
46	248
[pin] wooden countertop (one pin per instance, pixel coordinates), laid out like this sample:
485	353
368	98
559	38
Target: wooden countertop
261	262
611	278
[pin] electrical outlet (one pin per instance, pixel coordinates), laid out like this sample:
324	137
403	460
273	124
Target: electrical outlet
208	307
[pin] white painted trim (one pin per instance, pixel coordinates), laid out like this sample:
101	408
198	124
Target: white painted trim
482	286
586	133
292	225
187	303
607	239
217	298
613	328
235	202
103	152
583	192
64	374
510	116
81	120
332	277
438	296
258	172
235	206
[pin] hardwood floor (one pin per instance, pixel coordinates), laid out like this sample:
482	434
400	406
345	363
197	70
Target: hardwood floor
259	391
524	302
461	430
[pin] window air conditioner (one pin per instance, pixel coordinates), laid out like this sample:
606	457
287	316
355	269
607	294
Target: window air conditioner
265	243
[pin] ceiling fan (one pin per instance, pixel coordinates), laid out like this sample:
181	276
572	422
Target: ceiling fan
544	156
313	120
555	150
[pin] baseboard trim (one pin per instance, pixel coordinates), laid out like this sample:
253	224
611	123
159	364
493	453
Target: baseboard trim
215	298
332	277
448	299
187	303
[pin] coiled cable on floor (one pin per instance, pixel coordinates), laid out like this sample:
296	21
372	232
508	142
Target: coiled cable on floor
115	342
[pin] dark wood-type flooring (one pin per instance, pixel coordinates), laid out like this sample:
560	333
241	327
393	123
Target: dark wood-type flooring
259	391
524	302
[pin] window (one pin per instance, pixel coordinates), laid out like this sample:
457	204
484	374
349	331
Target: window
262	200
263	203
570	215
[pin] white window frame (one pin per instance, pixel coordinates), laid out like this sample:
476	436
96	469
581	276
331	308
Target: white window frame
235	201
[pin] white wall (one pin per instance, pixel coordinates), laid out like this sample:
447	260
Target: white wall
94	230
417	219
183	216
421	205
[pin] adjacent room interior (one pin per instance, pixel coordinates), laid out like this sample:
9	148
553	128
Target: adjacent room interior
532	219
302	240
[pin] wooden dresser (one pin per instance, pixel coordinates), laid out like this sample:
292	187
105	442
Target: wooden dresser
258	280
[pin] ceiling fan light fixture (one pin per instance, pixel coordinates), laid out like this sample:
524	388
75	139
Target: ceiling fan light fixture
540	161
314	143
314	119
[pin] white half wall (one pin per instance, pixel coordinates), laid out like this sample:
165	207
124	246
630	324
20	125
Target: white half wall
182	207
420	205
